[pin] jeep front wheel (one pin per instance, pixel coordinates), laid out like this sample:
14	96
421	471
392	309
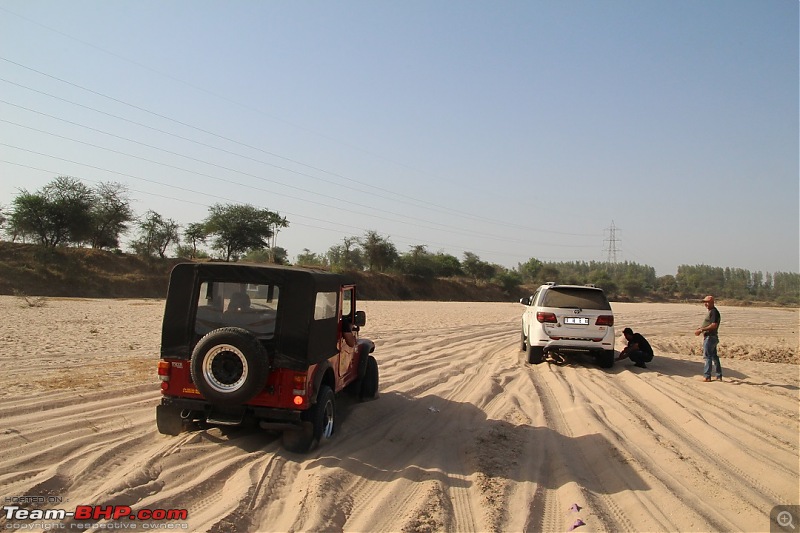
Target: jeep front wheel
229	366
369	384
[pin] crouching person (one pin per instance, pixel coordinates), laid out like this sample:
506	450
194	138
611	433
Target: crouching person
638	349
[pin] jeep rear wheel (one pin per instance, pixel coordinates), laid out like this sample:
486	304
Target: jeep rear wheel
229	366
319	423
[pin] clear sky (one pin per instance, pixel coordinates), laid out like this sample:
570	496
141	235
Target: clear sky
512	129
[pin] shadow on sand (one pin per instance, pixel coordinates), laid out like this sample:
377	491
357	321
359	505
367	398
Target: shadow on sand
435	438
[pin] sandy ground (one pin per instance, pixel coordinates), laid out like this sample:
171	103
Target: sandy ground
464	436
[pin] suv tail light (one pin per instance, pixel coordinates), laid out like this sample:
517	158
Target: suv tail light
549	318
605	320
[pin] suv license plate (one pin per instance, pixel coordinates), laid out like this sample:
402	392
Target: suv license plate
576	320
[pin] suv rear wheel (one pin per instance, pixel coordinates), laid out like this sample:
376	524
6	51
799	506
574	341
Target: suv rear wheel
229	366
535	354
606	360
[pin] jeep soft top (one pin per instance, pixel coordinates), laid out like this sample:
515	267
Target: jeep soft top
297	342
263	343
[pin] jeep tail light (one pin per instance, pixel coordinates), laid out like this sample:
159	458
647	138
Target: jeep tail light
605	320
549	318
163	370
163	373
298	389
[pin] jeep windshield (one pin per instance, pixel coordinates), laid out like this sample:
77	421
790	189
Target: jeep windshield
576	297
253	307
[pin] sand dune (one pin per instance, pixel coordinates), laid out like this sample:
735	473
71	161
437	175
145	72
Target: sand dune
464	437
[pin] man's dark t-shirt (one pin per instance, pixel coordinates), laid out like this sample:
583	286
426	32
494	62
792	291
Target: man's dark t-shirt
644	346
713	317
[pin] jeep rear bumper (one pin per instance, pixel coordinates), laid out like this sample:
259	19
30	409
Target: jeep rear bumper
268	417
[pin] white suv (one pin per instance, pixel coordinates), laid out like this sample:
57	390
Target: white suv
568	319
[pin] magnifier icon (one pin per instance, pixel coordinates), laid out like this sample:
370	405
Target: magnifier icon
785	518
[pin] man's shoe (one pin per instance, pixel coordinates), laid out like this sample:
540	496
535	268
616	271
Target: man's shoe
719	378
641	365
707	380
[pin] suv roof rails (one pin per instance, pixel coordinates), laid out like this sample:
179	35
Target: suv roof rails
551	283
592	285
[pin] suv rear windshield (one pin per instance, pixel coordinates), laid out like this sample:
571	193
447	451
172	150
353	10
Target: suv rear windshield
245	305
569	297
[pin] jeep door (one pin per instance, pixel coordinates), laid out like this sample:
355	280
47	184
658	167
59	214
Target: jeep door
347	316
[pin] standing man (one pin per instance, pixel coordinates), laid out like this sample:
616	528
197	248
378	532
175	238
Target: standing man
638	349
710	339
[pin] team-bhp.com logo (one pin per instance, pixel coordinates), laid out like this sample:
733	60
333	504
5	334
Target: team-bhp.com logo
148	518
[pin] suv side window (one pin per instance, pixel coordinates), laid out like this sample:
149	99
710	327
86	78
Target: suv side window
535	296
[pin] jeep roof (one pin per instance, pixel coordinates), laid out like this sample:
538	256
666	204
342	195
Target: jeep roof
299	340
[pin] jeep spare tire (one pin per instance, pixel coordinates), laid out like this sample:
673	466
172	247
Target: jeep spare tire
229	366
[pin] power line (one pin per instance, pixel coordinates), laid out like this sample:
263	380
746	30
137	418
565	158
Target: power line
405	218
327	227
228	139
240	104
170	152
445	228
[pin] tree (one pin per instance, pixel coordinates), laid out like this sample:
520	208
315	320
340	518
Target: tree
529	270
667	286
510	280
238	228
346	256
477	269
447	265
418	262
60	213
276	256
194	234
380	253
111	212
633	286
155	235
308	258
786	287
277	222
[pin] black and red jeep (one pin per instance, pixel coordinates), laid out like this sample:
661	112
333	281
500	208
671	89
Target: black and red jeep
270	344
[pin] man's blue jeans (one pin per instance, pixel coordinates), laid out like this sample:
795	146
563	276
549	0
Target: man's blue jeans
710	355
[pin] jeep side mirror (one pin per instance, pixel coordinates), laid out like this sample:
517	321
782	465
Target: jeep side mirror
525	301
361	318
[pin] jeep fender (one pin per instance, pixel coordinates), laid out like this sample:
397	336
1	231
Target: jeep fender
365	348
322	369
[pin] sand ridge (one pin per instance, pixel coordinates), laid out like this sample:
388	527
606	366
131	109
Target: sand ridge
465	436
